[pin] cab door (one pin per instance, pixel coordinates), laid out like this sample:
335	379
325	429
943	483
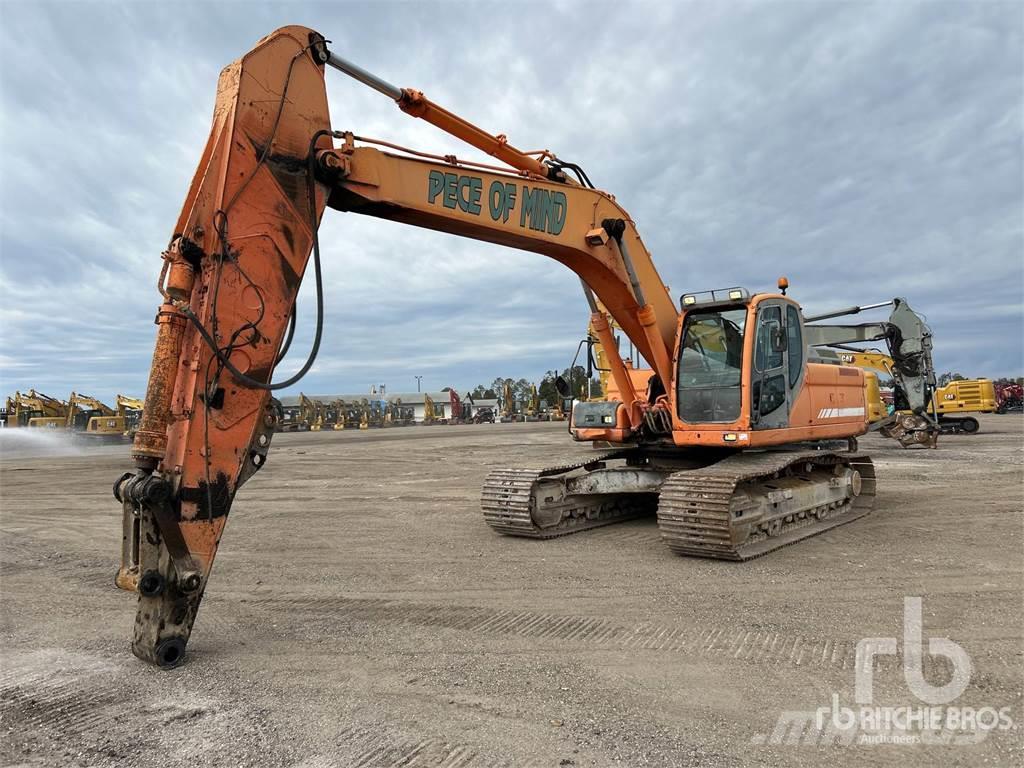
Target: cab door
777	370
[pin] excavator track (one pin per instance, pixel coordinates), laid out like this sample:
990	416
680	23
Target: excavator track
512	506
753	503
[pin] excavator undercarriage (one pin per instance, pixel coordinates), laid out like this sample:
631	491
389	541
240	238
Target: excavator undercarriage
709	504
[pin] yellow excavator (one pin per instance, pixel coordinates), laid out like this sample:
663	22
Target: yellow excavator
83	408
36	410
556	412
598	359
738	447
52	413
350	415
509	413
118	425
338	408
951	401
310	413
429	413
531	409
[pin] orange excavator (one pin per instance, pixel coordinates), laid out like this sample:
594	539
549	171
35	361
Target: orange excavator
738	444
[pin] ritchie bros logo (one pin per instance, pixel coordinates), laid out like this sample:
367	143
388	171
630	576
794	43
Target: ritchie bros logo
934	721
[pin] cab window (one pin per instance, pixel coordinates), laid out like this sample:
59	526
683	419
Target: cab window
767	356
795	345
711	365
769	386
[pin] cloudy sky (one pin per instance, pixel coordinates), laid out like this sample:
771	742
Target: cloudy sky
863	150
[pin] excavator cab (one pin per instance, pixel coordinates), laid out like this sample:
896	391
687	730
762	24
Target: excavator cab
740	369
721	341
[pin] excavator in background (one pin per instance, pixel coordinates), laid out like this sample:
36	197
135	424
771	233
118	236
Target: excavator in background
964	396
509	413
597	359
455	415
53	413
350	415
328	414
429	412
739	445
82	409
909	341
401	415
36	410
375	409
310	416
555	412
338	409
950	402
531	409
121	424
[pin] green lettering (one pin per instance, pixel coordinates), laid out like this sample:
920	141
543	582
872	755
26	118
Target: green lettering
469	194
496	200
476	187
435	182
541	210
559	208
450	193
527	210
510	200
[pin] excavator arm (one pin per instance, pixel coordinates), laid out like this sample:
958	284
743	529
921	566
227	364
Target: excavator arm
909	341
233	267
126	404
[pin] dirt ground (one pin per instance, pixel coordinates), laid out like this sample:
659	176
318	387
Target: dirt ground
361	614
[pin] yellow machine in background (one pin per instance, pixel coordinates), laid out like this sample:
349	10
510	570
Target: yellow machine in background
639	377
555	413
508	404
82	409
54	413
429	414
310	414
121	424
80	414
532	410
967	396
877	409
35	410
956	397
339	407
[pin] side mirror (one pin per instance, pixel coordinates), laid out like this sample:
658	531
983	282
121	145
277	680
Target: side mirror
562	387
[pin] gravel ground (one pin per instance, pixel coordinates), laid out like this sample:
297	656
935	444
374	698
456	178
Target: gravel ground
361	614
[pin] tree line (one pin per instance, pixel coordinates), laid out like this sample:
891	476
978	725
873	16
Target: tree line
521	388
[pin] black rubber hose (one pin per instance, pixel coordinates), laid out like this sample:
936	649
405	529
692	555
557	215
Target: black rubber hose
291	334
211	342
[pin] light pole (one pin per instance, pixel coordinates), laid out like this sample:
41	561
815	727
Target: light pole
418	382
